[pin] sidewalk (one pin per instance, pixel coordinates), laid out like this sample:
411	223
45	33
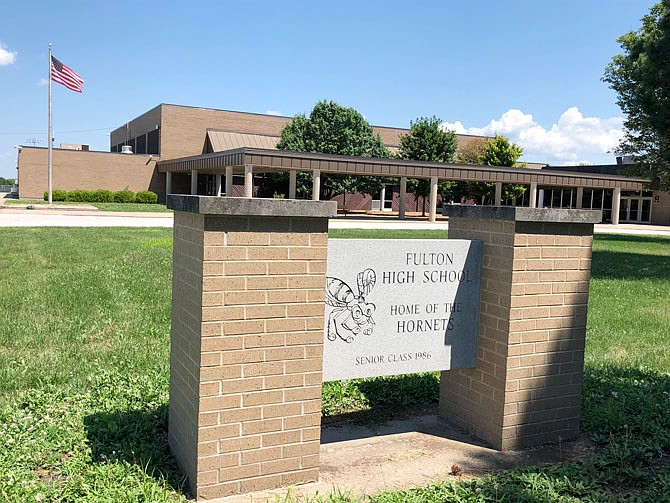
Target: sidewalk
88	216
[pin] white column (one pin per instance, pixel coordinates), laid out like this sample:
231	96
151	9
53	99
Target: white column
580	196
229	181
433	199
403	196
168	183
218	184
533	195
292	182
248	180
498	199
194	182
382	198
316	184
616	205
540	198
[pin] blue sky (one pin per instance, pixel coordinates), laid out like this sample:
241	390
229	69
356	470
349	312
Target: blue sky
529	69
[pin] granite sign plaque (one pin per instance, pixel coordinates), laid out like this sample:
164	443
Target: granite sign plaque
400	306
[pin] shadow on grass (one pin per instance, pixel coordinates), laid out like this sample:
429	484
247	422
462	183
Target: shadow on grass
138	437
630	266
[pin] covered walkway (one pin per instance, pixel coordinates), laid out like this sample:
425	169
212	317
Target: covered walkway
247	161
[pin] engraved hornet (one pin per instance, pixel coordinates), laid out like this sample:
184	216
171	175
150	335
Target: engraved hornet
351	314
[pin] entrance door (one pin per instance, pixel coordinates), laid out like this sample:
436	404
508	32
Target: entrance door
635	209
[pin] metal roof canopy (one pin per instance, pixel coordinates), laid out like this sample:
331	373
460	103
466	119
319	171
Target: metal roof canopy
264	160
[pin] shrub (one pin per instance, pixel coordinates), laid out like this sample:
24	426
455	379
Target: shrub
103	196
79	196
56	195
146	197
124	196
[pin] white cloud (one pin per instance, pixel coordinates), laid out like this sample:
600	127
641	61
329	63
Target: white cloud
272	112
571	140
43	82
7	57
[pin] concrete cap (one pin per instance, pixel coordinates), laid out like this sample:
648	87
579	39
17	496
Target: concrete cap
242	206
521	214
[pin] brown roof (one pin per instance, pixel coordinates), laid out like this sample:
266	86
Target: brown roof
282	160
226	140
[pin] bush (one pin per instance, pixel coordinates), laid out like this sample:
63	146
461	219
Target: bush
146	197
124	196
103	196
56	195
79	196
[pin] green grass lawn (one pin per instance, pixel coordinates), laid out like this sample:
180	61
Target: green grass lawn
84	341
128	207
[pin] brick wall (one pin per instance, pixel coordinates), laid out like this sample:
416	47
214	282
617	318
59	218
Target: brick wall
76	169
526	387
246	367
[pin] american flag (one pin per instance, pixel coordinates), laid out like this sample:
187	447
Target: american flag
64	75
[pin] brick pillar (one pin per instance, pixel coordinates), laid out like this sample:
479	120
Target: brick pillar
247	341
527	385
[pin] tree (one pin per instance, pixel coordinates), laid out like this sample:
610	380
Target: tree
427	142
641	78
333	129
498	151
472	151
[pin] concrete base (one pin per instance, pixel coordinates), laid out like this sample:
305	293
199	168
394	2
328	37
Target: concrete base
408	453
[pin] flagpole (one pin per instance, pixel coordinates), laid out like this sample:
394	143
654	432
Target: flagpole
49	141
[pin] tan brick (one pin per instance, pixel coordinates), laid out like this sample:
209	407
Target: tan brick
245	297
222	313
211	299
248	238
238	415
223	343
207	448
285	353
267	283
262	426
280	466
286	296
309	282
222	283
267	253
302	394
289	239
230	386
284	381
281	438
218	432
287	267
295	422
308	253
282	410
263	369
239	444
243	327
244	356
245	268
222	253
208	404
262	398
285	325
260	455
318	239
264	340
265	312
300	366
218	461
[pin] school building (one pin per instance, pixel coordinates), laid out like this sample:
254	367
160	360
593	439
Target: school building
191	150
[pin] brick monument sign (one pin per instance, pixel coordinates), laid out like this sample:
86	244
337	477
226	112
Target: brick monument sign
248	328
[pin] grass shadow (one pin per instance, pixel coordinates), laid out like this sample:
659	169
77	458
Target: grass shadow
138	437
630	266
